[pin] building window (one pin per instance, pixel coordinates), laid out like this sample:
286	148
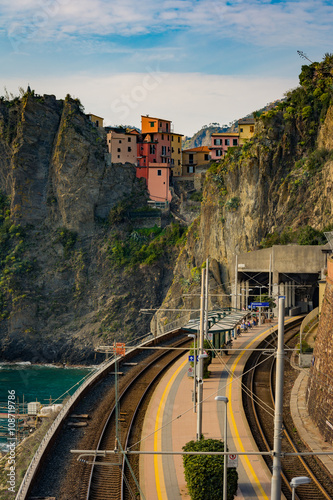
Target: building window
179	151
129	139
190	170
190	158
159	172
218	152
234	142
118	151
178	139
163	150
252	128
241	130
168	138
152	124
152	149
227	142
129	149
118	156
217	142
162	137
167	128
206	157
178	162
172	161
119	141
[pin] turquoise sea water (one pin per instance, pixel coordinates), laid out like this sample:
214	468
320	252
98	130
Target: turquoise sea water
36	383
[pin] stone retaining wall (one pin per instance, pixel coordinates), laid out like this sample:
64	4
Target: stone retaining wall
320	385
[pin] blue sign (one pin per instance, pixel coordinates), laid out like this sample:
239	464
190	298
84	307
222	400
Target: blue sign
191	357
260	304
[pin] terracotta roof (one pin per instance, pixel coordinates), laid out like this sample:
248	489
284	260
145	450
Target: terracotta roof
201	149
225	134
154	118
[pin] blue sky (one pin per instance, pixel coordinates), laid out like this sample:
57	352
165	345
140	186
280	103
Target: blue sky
191	61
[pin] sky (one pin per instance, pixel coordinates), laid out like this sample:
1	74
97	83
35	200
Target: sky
193	62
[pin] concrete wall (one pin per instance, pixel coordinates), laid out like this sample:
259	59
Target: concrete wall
319	391
285	259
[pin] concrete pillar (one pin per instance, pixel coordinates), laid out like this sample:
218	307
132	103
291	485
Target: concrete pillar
238	295
287	294
243	294
234	296
275	292
293	294
247	287
282	291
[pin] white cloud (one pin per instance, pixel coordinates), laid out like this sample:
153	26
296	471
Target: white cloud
190	100
254	21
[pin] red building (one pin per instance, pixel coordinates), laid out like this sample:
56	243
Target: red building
154	147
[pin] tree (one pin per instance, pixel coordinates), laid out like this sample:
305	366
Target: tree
204	473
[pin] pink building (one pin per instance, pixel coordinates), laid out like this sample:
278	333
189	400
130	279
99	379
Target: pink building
221	142
158	182
122	145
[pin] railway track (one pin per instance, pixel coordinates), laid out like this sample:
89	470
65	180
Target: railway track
260	413
60	475
112	480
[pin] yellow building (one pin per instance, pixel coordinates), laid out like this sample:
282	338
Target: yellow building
246	130
97	120
194	157
176	154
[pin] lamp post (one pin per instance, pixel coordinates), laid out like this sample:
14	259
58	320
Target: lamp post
193	336
225	400
298	481
201	357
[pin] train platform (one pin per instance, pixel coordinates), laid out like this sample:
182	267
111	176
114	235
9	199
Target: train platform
171	422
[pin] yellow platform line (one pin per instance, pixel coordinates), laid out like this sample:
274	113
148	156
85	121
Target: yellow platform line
159	476
255	481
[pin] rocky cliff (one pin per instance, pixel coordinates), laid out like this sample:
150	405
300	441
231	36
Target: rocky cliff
62	292
272	190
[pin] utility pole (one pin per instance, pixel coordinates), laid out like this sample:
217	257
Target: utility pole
206	300
278	415
200	352
236	279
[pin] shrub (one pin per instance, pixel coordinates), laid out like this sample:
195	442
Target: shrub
306	112
232	204
196	196
204	473
67	238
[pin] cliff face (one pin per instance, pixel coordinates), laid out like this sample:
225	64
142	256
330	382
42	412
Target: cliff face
278	184
60	293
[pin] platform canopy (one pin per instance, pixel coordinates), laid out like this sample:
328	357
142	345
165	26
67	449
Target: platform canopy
219	320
